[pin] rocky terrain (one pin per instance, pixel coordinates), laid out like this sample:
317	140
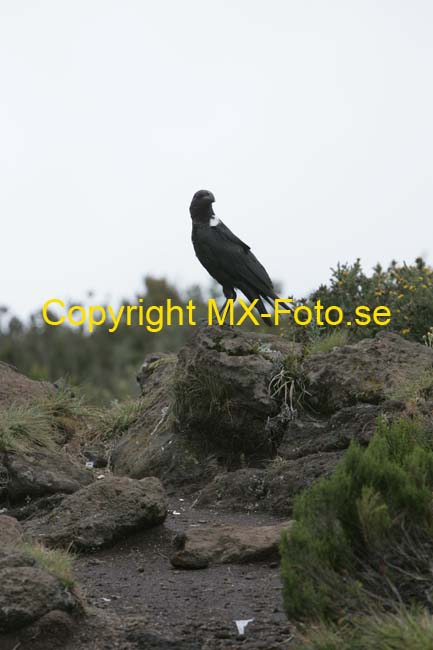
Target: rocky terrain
173	514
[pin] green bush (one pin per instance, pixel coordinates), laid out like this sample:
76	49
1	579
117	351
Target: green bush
354	530
403	630
406	289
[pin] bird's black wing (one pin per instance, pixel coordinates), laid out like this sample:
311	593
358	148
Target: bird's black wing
228	235
229	260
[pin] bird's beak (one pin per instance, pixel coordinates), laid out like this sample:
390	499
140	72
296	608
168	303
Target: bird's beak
211	198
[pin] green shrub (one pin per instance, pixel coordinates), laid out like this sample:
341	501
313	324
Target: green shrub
351	530
406	289
404	630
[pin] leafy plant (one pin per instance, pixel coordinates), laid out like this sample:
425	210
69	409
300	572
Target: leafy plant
406	289
335	553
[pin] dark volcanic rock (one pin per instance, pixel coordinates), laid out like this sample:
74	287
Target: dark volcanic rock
43	472
270	489
226	544
144	444
167	455
101	513
308	435
27	593
150	447
16	388
11	531
223	401
369	371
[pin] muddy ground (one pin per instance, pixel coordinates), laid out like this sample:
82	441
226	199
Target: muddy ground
134	589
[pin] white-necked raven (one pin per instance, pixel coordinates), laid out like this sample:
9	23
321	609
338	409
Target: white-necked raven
226	257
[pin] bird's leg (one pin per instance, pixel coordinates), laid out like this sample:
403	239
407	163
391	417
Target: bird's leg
230	294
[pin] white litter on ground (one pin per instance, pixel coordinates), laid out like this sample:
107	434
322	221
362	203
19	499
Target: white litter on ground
241	625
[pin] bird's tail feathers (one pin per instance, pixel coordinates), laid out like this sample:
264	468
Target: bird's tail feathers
271	300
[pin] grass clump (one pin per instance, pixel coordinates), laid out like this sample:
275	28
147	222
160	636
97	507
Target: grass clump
288	387
111	423
365	530
24	427
202	403
333	339
56	561
42	422
416	390
403	630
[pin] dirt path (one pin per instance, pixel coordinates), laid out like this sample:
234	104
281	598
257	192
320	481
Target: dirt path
134	586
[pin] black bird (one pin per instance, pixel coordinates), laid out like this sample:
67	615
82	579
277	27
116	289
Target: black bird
226	257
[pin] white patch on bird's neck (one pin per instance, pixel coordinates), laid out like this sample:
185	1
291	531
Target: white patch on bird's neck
214	221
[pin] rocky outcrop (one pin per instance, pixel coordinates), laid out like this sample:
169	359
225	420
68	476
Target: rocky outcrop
144	443
28	592
223	397
370	371
11	531
16	388
101	513
199	547
243	398
268	489
311	434
151	447
41	473
166	455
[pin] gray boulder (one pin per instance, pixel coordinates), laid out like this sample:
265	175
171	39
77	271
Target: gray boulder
27	593
370	371
225	544
223	400
16	388
151	447
268	489
11	531
101	513
309	435
42	473
135	453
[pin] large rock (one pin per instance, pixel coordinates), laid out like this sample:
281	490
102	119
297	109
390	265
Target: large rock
4	479
369	371
101	513
16	388
41	473
135	453
166	455
223	401
11	531
27	593
151	447
269	489
225	544
309	435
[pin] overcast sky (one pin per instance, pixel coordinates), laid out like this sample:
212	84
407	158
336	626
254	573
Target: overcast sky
311	121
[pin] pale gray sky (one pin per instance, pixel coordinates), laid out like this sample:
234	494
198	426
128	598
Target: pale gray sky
310	121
